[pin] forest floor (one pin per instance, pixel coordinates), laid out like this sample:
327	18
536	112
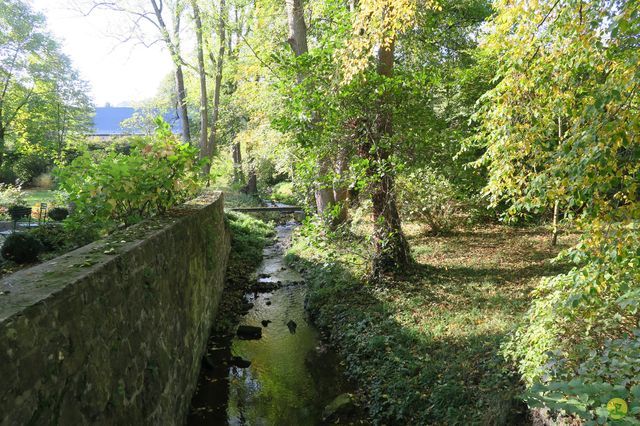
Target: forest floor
424	348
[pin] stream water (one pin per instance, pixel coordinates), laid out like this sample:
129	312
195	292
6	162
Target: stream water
292	375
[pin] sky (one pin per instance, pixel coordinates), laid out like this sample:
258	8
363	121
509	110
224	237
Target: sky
119	74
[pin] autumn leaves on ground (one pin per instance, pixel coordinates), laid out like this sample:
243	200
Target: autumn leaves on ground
426	345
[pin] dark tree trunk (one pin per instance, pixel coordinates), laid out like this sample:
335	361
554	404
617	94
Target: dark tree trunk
251	187
238	175
2	141
391	248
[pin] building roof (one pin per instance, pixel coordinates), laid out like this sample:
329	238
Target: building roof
107	121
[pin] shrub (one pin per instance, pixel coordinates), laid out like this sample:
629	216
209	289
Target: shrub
21	248
578	345
58	213
52	236
283	193
18	212
425	196
29	167
160	172
11	195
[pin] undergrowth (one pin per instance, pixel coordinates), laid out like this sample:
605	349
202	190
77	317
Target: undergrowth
248	238
425	347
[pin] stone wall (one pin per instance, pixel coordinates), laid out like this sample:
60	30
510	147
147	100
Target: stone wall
113	333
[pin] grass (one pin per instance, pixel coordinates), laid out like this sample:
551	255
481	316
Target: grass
425	347
33	196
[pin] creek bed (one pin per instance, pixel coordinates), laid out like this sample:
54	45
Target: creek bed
292	376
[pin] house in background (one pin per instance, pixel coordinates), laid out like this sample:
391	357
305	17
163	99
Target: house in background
112	122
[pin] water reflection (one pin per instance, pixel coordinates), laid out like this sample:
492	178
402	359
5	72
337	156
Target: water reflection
292	376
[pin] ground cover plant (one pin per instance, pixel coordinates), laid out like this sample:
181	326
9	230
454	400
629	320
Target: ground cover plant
425	347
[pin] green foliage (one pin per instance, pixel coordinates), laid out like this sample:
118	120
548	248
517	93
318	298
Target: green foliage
429	198
21	247
283	192
53	237
11	195
18	212
30	166
160	172
561	125
44	106
58	213
7	175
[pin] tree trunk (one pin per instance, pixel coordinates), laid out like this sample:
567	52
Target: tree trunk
218	83
174	49
554	238
251	187
391	248
340	191
324	192
556	204
297	27
2	140
238	175
204	102
182	105
297	39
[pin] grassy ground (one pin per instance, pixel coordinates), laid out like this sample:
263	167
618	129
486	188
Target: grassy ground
33	196
425	348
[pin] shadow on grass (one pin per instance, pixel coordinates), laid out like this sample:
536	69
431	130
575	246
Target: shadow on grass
407	374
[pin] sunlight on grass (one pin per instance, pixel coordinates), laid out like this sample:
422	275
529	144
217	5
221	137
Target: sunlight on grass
437	329
33	196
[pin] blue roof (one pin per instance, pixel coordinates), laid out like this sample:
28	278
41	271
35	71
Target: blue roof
108	119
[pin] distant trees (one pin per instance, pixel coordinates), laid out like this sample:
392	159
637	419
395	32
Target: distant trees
43	102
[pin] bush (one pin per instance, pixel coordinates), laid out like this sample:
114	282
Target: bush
283	193
425	196
18	212
52	236
119	189
21	248
29	167
58	213
578	345
11	195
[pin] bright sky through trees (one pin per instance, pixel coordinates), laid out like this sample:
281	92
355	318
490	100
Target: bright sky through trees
118	73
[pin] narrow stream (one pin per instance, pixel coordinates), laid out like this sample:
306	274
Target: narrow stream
292	375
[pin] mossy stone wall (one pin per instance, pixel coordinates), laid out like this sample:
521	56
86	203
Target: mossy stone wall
113	333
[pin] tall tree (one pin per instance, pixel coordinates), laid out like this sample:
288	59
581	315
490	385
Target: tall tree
172	42
392	249
219	67
376	28
297	39
202	77
23	45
